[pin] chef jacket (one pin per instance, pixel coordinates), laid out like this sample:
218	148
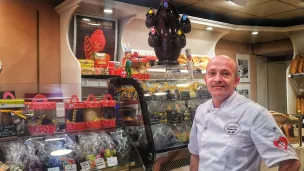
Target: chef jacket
236	136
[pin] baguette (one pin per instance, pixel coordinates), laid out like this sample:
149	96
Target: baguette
301	63
294	65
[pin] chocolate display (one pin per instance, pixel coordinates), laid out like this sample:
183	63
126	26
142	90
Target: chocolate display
167	32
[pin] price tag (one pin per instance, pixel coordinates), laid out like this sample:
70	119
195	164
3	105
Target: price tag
71	167
54	169
85	165
100	163
112	161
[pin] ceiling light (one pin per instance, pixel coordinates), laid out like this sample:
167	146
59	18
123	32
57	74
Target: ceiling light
240	2
209	28
61	152
255	33
86	19
109	11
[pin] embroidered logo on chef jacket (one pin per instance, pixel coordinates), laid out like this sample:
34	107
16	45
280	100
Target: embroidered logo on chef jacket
281	143
232	128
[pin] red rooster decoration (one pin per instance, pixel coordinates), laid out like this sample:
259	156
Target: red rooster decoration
95	43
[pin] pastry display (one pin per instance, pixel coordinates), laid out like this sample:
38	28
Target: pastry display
297	65
199	62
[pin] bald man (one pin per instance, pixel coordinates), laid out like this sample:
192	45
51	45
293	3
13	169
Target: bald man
232	133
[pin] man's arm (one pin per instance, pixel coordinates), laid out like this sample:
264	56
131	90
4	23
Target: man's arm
194	162
290	165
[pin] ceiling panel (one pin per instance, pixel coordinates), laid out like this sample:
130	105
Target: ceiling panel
207	6
247	37
240	15
224	4
256	2
288	14
268	8
297	3
182	3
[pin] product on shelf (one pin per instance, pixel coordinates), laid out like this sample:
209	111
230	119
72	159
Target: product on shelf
122	148
42	116
183	131
199	62
297	65
12	118
156	112
92	111
174	110
108	115
131	113
96	145
74	115
163	135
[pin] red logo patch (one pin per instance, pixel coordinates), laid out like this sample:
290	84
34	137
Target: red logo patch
281	143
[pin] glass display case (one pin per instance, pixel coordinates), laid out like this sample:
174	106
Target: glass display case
63	133
158	113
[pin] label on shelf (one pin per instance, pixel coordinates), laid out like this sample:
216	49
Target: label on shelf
54	169
112	161
100	163
85	165
185	95
71	167
7	131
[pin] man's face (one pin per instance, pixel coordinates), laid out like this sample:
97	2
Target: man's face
220	77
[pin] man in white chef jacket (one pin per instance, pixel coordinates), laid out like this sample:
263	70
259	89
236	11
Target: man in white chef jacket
232	133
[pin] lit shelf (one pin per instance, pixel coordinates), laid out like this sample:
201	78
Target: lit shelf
296	75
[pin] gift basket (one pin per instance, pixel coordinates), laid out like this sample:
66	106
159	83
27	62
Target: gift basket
74	115
42	116
163	135
96	150
92	111
108	115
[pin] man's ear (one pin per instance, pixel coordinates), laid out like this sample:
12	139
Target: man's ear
237	80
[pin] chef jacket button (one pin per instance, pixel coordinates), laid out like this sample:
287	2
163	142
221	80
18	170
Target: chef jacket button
205	128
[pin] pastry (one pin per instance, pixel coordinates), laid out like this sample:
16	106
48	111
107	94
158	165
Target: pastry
294	65
300	65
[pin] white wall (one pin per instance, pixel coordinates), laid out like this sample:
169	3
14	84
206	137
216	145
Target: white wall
262	81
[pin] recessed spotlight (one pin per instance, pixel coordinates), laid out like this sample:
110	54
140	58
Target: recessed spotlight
255	33
209	28
86	19
109	11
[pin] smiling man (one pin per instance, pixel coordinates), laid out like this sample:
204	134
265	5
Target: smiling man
230	132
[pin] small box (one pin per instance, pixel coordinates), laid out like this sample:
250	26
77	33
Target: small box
74	115
41	116
92	113
108	114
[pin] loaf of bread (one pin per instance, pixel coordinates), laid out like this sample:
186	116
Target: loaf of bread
294	65
301	63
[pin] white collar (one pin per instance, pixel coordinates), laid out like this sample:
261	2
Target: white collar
226	102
